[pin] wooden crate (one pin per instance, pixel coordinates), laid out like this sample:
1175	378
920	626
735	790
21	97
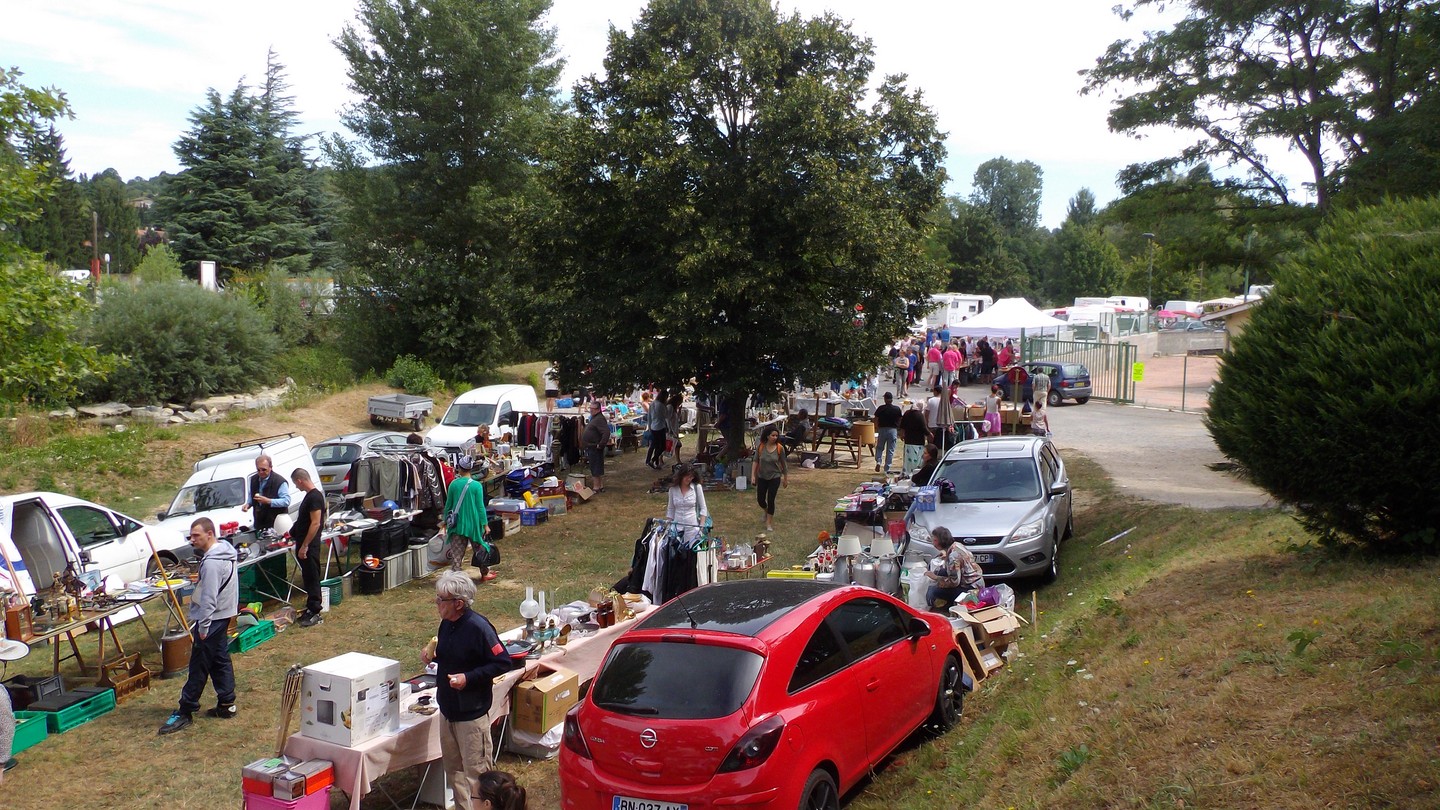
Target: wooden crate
127	675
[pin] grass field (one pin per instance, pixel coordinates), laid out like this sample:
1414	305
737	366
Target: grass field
1206	659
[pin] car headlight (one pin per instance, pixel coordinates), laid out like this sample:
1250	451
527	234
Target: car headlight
1029	531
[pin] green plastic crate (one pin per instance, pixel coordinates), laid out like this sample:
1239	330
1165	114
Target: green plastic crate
30	730
78	714
252	637
268	575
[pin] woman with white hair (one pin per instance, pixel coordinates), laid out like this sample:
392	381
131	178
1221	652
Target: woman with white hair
468	656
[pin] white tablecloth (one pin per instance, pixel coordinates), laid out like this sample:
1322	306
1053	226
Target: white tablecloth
418	739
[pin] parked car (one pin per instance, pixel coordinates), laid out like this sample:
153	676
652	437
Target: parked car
333	457
493	405
43	532
1188	325
220	484
757	693
1067	381
1011	507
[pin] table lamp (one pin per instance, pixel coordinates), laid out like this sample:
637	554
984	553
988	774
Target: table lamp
847	549
530	611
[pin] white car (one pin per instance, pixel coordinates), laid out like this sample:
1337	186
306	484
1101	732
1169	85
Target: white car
493	405
43	532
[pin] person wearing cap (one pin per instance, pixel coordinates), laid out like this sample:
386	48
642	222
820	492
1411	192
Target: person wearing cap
10	650
472	524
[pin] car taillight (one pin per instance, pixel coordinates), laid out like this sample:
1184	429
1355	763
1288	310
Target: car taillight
345	485
573	739
755	747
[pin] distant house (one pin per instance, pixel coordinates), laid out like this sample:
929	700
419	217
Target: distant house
1234	318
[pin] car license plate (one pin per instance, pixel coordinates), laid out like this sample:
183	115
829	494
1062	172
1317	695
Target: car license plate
325	479
632	803
984	558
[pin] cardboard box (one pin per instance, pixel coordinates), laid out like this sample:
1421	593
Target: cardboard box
555	504
540	703
579	488
350	698
992	625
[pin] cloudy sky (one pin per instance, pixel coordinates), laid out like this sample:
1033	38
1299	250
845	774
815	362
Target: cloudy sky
1000	75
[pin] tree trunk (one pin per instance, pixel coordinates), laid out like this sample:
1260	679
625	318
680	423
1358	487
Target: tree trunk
734	427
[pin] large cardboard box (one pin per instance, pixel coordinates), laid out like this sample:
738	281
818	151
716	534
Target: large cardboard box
540	703
992	625
350	698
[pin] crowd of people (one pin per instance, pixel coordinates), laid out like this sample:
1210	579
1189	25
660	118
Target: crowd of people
940	359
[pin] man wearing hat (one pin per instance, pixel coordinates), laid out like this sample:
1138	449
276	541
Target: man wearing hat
465	501
10	650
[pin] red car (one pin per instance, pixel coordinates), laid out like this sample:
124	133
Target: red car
758	693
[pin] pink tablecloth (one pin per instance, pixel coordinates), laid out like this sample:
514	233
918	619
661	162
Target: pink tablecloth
418	739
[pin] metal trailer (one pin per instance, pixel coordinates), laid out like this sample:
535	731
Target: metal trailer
400	409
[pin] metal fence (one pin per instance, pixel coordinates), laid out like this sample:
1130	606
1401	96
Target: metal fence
1110	364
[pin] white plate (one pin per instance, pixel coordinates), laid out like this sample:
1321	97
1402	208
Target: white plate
632	803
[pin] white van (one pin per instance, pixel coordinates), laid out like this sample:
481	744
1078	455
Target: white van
491	405
220	484
1190	307
43	532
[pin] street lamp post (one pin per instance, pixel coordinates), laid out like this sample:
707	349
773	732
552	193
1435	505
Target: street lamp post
1150	275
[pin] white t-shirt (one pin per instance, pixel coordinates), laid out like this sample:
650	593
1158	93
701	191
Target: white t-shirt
932	411
552	379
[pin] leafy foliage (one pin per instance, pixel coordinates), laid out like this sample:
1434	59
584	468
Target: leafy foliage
61	227
159	265
1334	77
1010	192
414	375
271	293
41	360
1358	300
181	342
1086	264
976	252
116	219
454	99
24	113
729	211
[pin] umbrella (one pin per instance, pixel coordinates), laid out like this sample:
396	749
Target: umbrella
1173	313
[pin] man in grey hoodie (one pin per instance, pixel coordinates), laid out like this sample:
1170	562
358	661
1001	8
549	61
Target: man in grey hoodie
215	601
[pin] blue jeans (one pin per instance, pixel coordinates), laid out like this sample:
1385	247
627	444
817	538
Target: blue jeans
209	660
885	439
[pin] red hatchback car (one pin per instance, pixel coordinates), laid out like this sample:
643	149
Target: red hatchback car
757	693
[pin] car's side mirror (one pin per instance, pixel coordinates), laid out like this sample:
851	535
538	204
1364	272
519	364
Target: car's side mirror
84	556
919	628
1058	488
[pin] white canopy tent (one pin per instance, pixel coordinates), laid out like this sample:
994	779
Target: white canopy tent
1008	317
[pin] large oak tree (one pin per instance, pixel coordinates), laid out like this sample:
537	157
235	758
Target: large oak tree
738	205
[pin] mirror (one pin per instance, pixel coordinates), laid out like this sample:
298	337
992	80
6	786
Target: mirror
1057	489
161	515
919	628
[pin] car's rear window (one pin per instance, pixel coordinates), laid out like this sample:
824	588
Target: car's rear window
327	454
992	479
1073	370
675	680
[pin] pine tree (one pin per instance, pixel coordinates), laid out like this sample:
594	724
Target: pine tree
118	221
62	225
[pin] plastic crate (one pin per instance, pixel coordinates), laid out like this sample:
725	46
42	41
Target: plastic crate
253	636
397	570
30	730
64	711
319	800
252	580
25	689
533	517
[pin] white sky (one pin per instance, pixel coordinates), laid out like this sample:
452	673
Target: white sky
1002	76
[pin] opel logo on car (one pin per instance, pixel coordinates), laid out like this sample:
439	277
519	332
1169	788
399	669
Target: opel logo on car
648	738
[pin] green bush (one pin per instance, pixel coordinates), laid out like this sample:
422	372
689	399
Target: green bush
159	265
181	342
271	293
414	375
1329	396
41	359
320	369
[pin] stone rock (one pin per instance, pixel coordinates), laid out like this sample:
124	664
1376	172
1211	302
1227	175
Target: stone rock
64	413
111	409
177	420
190	416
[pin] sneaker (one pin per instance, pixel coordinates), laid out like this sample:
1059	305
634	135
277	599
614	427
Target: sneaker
177	721
877	468
310	620
489	576
223	711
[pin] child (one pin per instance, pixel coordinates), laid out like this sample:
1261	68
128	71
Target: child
1040	419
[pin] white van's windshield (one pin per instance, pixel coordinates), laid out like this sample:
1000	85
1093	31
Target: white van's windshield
469	415
207	496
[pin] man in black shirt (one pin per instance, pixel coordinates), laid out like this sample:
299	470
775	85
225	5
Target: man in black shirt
887	431
306	534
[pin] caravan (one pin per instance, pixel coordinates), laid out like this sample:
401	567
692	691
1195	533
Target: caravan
953	308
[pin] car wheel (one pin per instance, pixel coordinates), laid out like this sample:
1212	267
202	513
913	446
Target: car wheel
1081	400
951	697
1069	527
820	792
1052	572
151	569
1053	398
